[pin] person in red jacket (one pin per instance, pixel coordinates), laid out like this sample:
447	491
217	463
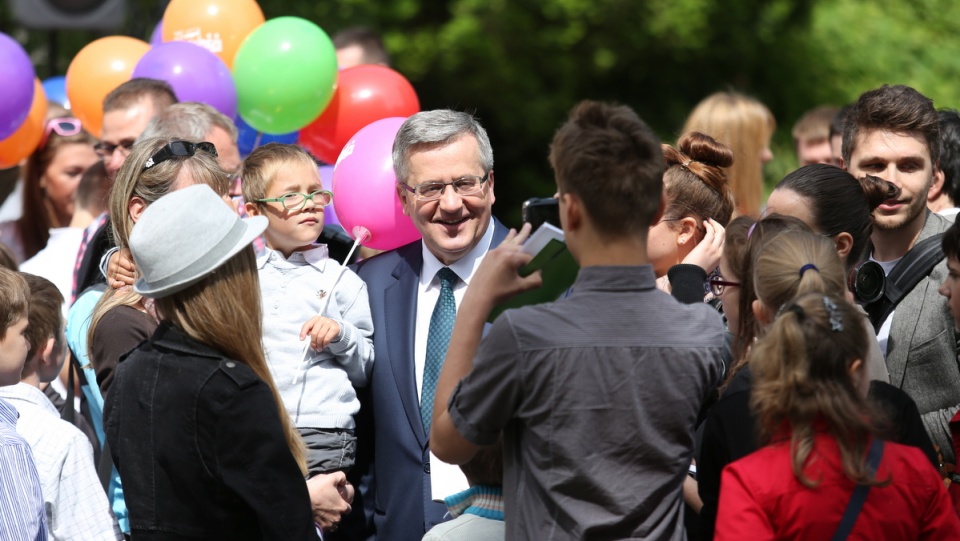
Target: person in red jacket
809	385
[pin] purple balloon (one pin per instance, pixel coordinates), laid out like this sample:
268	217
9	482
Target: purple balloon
195	74
329	212
16	72
156	38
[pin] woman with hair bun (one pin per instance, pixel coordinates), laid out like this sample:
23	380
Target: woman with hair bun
833	203
824	472
686	243
746	126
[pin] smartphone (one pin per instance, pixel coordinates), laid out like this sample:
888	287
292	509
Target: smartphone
538	210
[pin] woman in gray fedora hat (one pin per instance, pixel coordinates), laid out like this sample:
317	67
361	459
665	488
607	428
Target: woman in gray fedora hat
198	433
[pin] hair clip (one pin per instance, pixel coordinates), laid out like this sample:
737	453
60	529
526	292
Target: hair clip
750	231
833	312
808	266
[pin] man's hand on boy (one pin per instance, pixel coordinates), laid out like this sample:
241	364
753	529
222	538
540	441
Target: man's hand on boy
121	269
322	331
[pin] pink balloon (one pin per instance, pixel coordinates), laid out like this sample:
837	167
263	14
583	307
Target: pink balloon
365	188
326	179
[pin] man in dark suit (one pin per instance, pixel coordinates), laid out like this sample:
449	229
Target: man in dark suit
444	167
893	133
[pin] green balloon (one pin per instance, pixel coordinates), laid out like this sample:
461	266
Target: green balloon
285	72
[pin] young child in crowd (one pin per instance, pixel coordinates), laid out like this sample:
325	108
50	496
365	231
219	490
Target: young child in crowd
75	503
21	503
308	295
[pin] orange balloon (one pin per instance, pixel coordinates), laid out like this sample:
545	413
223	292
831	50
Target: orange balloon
24	141
219	25
97	69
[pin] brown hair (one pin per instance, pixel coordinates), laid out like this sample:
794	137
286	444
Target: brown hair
7	259
261	166
694	183
895	108
45	314
840	203
745	125
38	214
609	158
367	39
486	467
16	299
220	311
128	94
742	240
814	125
779	272
801	377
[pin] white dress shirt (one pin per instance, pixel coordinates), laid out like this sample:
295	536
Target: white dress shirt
75	502
445	479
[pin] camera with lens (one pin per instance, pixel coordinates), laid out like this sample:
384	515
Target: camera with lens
538	210
867	282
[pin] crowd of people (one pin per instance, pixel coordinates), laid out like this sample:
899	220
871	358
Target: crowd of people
721	368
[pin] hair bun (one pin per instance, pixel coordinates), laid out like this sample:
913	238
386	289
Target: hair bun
705	149
876	190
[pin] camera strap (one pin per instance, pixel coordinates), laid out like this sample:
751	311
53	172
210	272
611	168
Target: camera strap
914	266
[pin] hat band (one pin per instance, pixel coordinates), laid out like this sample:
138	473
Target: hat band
208	262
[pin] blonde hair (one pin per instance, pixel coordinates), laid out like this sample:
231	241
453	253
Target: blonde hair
261	167
801	378
796	262
220	311
149	185
745	125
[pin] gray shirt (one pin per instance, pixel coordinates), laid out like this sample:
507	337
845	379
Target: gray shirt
597	396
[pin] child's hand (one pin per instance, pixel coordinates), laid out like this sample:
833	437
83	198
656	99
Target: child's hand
322	331
121	269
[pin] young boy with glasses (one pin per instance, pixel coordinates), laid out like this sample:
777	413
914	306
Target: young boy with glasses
308	295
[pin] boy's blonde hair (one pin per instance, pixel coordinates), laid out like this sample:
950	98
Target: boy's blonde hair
261	166
16	299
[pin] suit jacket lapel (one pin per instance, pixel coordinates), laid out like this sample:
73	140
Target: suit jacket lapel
400	302
907	317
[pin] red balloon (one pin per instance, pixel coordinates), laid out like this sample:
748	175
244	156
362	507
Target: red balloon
364	94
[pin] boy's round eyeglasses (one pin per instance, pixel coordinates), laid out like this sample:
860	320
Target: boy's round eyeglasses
296	200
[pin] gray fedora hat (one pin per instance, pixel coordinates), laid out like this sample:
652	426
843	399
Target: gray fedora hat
184	236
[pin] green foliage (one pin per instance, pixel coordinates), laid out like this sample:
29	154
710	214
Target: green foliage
522	64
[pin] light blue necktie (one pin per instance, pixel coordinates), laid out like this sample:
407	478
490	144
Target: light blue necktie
438	338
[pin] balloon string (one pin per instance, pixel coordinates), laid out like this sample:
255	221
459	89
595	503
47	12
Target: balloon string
361	234
256	142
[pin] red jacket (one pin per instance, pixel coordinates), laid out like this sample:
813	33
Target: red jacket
760	498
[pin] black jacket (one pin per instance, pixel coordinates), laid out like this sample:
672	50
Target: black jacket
198	443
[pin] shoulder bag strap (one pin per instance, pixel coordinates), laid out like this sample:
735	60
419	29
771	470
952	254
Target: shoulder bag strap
905	276
859	494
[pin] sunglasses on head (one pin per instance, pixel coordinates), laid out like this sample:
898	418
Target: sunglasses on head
179	148
63	126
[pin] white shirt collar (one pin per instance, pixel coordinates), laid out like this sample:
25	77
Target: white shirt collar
316	256
28	393
464	267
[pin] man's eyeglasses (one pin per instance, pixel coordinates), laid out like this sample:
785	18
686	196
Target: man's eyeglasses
179	148
106	149
63	126
717	284
431	191
296	200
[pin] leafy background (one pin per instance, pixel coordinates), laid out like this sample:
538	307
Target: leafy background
521	64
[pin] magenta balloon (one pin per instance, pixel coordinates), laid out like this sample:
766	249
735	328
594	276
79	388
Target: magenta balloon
16	72
195	74
330	212
365	188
